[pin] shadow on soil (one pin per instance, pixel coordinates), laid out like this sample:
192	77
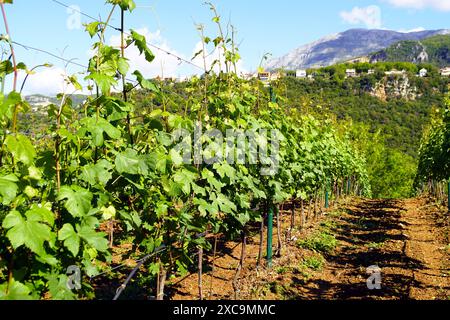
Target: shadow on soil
372	222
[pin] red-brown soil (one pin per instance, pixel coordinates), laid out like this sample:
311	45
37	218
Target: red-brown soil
408	239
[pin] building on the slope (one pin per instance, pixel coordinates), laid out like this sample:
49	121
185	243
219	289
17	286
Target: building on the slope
371	71
350	73
395	72
264	76
445	72
423	73
300	73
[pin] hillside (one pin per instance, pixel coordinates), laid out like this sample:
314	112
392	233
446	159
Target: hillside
434	50
345	46
389	126
400	111
39	102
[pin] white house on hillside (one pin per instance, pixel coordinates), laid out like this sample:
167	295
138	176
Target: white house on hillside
445	72
301	74
351	73
395	73
423	73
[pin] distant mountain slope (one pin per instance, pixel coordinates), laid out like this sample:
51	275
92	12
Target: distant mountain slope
435	50
345	46
38	102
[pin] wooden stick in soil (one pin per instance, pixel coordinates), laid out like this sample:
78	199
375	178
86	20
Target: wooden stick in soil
261	243
292	219
240	266
308	217
316	212
200	273
280	243
213	267
302	214
111	233
336	190
161	282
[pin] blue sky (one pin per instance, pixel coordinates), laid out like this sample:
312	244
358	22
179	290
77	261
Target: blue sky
263	26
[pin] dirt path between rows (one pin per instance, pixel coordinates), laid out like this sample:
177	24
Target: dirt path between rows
407	239
403	238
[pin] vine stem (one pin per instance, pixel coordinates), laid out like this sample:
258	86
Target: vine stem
124	92
10	272
241	264
292	219
205	98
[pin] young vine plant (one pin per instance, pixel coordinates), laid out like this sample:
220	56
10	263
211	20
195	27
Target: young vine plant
434	155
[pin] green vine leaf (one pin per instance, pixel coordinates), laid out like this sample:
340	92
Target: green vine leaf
30	231
70	238
95	239
77	200
21	148
129	5
8	188
141	44
144	83
97	174
131	162
16	290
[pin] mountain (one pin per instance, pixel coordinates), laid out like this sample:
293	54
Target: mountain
345	46
434	50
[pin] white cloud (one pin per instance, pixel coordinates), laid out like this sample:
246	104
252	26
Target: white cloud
412	30
49	81
441	5
164	65
369	16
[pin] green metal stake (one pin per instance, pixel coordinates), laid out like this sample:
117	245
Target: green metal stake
349	186
273	97
269	237
327	197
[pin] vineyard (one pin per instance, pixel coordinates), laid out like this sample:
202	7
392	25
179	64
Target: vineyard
434	164
110	195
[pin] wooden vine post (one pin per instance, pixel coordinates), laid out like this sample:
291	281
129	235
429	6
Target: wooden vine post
280	242
269	237
261	242
200	273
